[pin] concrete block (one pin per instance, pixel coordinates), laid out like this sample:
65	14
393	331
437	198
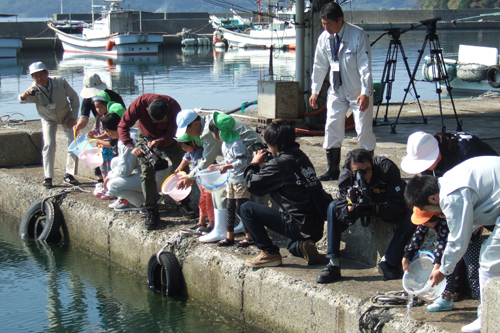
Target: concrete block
491	312
18	149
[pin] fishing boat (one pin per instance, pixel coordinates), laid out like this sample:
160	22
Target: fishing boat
474	70
279	33
9	45
117	32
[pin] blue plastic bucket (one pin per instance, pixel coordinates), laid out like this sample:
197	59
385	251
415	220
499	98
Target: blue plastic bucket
76	147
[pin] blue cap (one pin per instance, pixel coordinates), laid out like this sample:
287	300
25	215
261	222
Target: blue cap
184	118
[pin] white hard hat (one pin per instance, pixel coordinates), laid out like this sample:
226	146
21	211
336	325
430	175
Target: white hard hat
36	67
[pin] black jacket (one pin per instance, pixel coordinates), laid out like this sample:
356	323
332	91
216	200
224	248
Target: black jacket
88	106
386	190
291	181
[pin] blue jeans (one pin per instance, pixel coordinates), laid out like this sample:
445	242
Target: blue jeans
396	248
256	217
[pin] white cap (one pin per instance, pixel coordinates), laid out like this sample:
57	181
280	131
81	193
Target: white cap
92	85
36	67
422	151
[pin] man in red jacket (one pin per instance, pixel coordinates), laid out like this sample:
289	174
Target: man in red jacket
156	118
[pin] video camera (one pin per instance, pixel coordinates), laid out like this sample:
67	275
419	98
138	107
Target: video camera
153	158
360	197
262	146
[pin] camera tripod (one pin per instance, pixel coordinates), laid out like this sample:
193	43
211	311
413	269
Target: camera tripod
439	73
389	72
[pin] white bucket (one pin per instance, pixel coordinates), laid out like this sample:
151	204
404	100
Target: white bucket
169	187
417	282
213	180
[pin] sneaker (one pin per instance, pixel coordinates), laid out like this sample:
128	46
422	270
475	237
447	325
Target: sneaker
126	206
310	253
114	203
99	190
474	327
186	211
441	304
106	195
264	259
152	218
329	274
47	182
390	272
70	179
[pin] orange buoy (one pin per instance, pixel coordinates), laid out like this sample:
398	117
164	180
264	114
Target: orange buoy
110	44
111	64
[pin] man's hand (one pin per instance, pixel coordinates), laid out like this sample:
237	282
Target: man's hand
350	207
406	265
436	276
154	143
259	157
27	93
363	102
312	101
80	124
138	152
224	168
185	182
71	123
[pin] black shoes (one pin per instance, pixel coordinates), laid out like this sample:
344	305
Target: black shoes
329	274
390	272
47	182
70	179
152	218
186	211
333	171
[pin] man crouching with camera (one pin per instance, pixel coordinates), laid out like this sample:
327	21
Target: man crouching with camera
289	177
368	188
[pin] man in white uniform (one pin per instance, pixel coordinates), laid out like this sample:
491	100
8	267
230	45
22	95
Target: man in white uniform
469	196
345	50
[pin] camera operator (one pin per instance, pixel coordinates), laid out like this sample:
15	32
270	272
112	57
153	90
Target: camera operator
383	200
291	181
156	116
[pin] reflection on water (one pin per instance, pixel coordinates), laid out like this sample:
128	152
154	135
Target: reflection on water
61	289
206	78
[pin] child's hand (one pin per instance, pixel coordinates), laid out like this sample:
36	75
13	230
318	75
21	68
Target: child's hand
212	167
224	168
91	134
177	171
406	265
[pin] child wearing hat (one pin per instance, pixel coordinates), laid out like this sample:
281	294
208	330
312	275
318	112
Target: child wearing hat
193	147
102	103
426	221
236	159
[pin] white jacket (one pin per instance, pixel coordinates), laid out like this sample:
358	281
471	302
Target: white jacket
61	91
469	196
354	61
125	164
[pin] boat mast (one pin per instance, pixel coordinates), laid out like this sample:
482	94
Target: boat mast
92	12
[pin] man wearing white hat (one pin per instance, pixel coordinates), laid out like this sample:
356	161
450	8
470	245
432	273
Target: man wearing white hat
438	153
56	104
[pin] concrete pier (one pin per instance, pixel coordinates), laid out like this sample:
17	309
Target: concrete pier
283	299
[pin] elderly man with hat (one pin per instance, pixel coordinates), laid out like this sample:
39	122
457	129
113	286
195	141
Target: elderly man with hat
56	104
155	115
191	123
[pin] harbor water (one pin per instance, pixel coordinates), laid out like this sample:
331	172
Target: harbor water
205	78
51	288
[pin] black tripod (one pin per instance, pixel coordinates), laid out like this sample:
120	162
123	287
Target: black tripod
438	70
389	72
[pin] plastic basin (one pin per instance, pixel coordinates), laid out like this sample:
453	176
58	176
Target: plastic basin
169	187
91	158
213	180
417	282
76	147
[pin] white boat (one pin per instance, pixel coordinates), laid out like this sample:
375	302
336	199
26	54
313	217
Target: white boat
475	70
280	33
9	46
115	34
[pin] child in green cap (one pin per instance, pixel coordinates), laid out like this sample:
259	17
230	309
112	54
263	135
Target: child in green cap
236	158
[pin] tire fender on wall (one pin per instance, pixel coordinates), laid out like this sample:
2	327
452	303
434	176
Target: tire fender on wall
42	226
493	76
165	277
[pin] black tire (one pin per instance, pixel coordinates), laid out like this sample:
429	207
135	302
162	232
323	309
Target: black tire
492	75
165	277
43	227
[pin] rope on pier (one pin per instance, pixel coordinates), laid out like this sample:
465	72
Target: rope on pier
5	120
59	195
375	317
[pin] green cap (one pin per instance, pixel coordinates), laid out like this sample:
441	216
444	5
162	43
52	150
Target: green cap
188	138
225	123
102	96
116	108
